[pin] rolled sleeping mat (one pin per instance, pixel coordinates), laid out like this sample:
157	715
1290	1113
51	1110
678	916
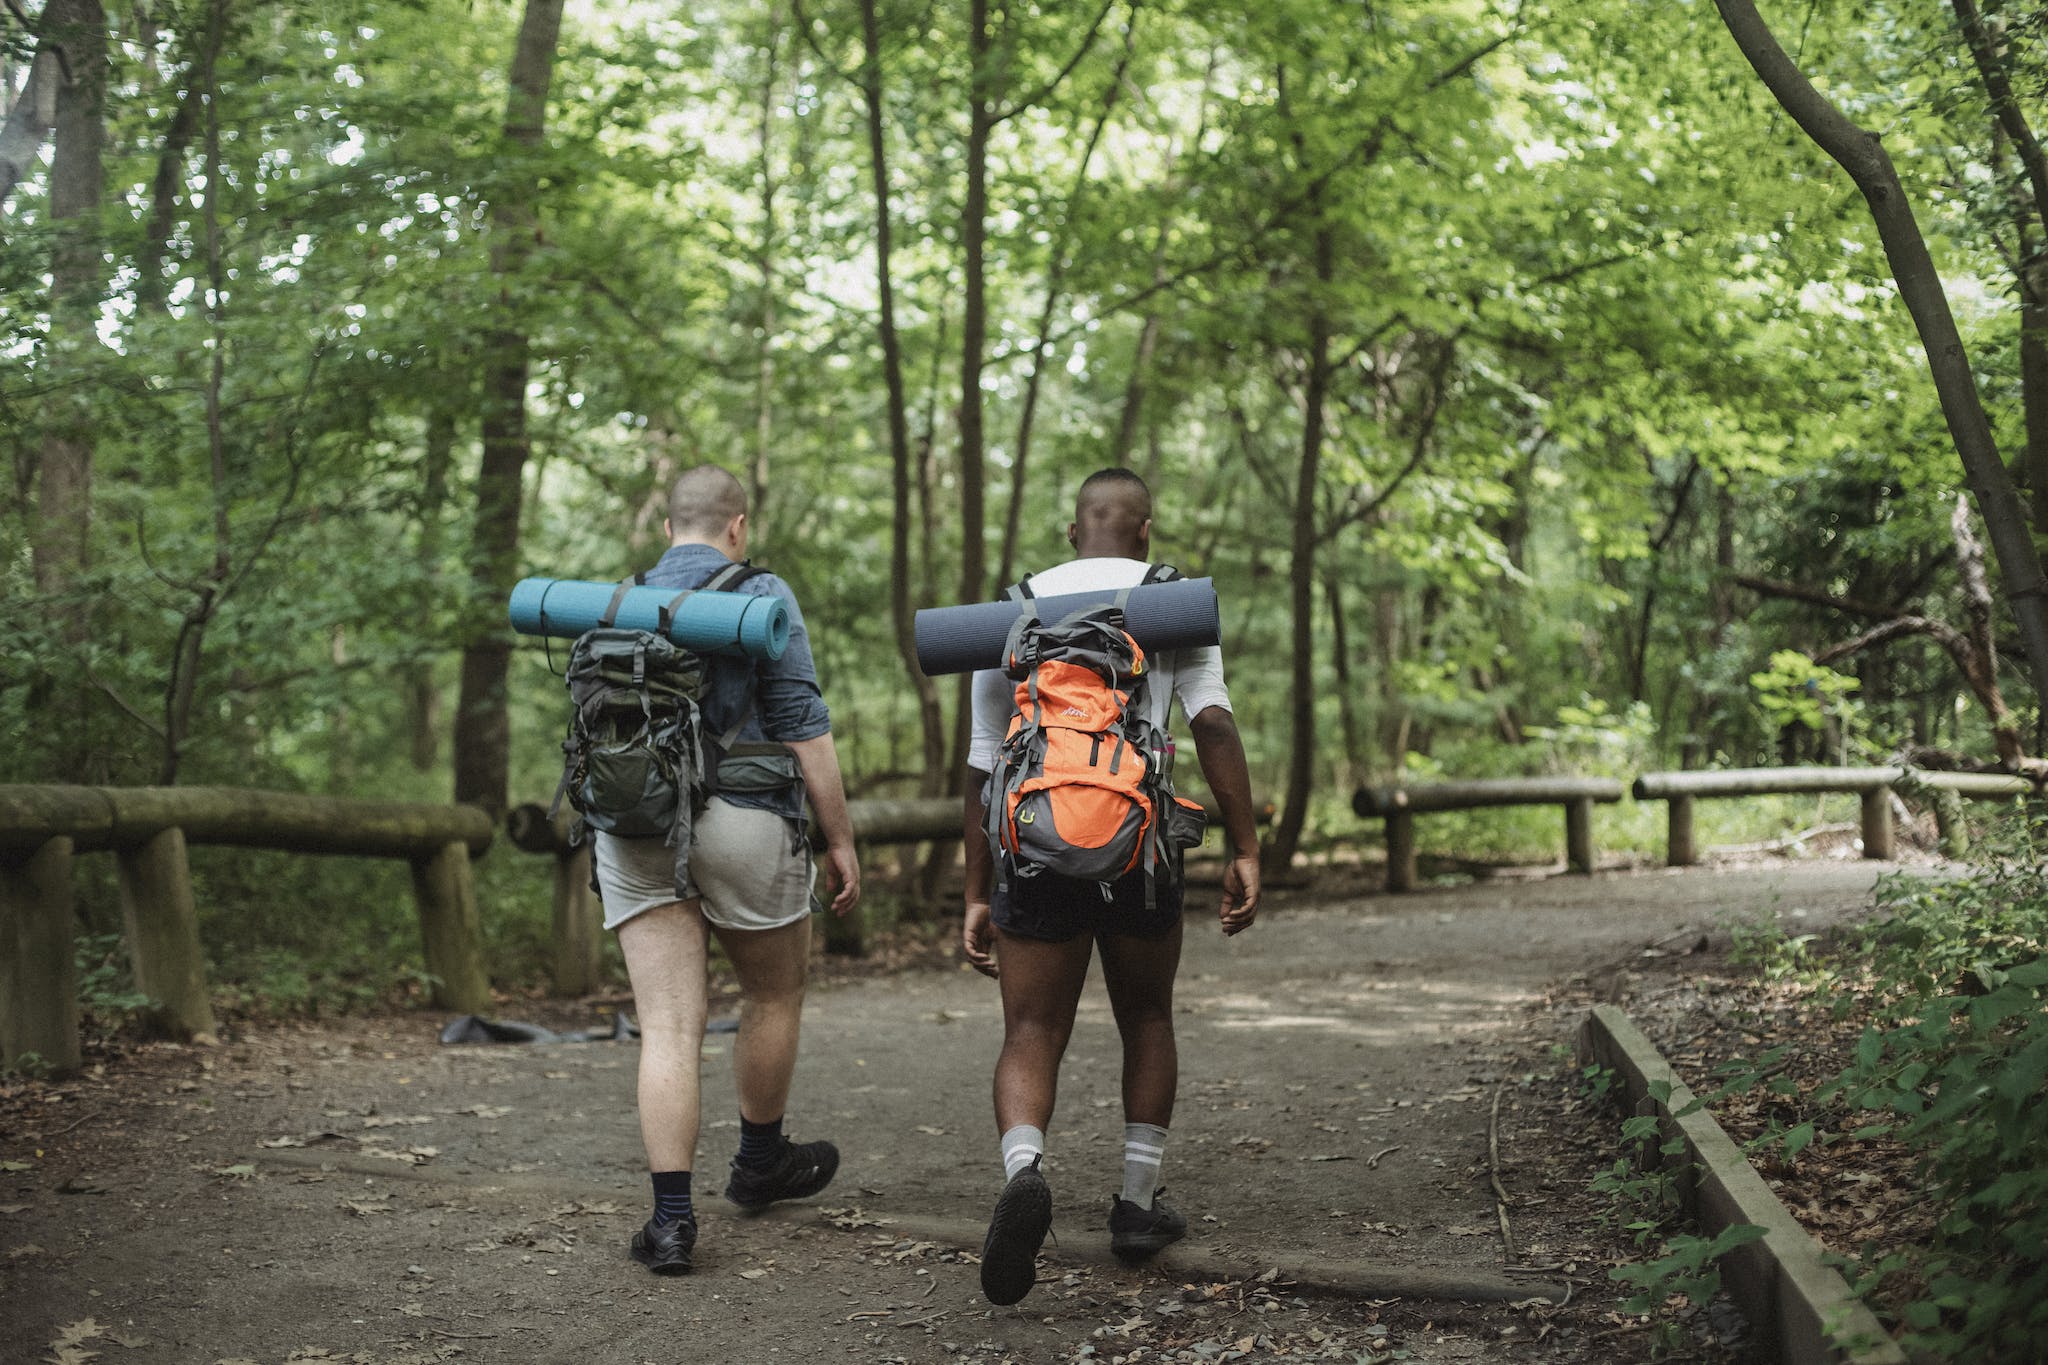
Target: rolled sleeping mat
733	623
1179	614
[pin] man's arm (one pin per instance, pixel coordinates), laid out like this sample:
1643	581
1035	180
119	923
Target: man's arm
977	933
820	764
1221	752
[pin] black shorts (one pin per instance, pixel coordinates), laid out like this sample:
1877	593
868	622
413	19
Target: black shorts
1054	909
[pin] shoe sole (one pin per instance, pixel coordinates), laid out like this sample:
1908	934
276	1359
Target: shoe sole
674	1265
1144	1246
810	1187
1009	1257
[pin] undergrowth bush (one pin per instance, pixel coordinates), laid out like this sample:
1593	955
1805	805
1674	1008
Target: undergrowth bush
1954	1062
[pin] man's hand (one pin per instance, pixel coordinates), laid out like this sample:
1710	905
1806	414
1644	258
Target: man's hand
978	938
1240	904
842	877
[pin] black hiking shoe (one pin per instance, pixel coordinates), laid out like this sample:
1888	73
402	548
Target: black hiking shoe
1009	1256
798	1171
665	1248
1137	1233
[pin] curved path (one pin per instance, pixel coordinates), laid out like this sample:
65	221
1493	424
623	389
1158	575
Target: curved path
358	1191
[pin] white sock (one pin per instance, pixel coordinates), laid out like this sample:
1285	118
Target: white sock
1020	1145
1144	1145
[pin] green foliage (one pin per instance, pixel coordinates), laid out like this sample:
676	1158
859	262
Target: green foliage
1604	333
107	998
1795	690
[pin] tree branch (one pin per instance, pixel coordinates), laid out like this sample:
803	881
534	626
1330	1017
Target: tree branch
1044	92
1848	606
1998	85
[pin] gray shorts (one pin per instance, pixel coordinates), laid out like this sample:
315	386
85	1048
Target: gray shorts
742	864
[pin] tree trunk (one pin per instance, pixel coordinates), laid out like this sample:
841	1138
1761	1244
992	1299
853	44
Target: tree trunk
423	692
163	193
1006	564
1859	152
35	109
931	724
973	341
62	534
483	738
1302	565
764	377
1347	700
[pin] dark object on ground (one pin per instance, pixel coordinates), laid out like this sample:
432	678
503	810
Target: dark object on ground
474	1028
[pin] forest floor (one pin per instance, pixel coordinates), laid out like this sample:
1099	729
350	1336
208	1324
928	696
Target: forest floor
1356	1071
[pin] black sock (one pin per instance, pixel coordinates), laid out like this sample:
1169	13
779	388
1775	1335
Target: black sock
760	1143
672	1196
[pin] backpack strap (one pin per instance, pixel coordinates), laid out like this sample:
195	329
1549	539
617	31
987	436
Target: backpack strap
1160	573
1020	591
611	610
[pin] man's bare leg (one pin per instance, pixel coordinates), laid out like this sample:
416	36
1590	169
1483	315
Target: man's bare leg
1139	973
1041	984
664	950
772	966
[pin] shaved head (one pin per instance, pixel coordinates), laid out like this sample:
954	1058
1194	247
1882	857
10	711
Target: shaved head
703	503
1113	514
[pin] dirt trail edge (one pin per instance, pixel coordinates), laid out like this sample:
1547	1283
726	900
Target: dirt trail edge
356	1192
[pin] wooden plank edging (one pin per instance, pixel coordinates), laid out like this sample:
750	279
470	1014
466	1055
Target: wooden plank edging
1794	1301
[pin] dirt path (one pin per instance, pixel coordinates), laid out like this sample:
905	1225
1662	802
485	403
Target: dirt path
356	1192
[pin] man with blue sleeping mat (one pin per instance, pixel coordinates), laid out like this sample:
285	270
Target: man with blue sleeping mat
744	876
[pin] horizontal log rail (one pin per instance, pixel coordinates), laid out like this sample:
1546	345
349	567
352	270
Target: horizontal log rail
577	918
1874	786
148	830
1398	804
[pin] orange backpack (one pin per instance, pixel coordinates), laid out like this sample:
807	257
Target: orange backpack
1082	785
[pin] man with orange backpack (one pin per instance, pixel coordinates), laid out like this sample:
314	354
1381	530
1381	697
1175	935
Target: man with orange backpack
1073	839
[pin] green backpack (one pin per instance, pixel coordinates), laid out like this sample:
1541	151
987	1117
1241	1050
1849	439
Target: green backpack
634	759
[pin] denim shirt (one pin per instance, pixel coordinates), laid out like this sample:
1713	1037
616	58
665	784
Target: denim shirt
782	694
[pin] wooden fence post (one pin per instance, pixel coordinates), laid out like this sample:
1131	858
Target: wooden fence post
1877	823
1680	848
576	923
38	976
1578	834
448	929
163	935
1401	851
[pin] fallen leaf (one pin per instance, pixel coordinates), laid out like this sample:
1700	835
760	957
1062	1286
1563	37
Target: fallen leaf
488	1111
13	1208
15	1166
285	1141
927	1128
241	1172
752	1274
395	1120
1457	1231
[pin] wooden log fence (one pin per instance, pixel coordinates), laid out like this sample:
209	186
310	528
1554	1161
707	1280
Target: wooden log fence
578	918
148	829
1399	804
1875	786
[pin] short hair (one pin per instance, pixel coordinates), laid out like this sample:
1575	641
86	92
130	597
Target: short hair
1113	494
703	501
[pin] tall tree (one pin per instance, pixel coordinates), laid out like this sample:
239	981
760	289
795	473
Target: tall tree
931	724
1859	152
482	721
64	462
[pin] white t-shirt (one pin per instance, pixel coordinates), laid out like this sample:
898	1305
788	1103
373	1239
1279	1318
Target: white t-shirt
1194	675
